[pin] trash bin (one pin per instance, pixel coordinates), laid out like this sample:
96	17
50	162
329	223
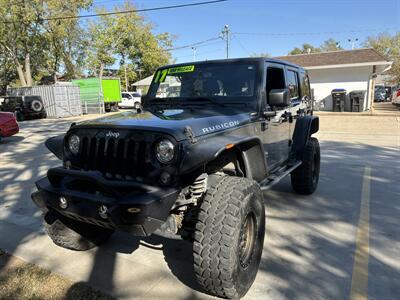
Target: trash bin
357	100
338	99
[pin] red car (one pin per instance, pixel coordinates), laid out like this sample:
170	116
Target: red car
8	124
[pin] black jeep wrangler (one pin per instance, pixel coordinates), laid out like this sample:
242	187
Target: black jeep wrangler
191	165
24	107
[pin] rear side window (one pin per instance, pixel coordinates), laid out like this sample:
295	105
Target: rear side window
305	86
293	84
31	98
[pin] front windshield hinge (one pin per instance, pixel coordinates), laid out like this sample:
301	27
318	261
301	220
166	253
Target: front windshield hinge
190	135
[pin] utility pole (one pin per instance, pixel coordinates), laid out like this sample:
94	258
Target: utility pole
225	35
352	42
194	53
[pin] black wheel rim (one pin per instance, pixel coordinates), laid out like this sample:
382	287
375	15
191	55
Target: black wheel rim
247	240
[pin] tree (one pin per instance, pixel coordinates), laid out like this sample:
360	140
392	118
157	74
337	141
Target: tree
389	47
330	45
26	36
66	39
305	48
128	40
19	34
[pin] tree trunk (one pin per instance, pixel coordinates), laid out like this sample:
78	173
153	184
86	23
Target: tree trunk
28	74
21	74
101	71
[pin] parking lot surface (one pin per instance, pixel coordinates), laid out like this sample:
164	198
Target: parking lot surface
342	242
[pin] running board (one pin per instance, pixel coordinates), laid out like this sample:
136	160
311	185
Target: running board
270	181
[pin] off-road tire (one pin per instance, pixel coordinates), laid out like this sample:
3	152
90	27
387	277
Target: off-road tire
74	235
137	105
305	178
218	236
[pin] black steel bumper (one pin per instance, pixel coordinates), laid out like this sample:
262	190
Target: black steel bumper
133	207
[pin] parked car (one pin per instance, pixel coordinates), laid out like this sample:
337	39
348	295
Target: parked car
8	125
24	107
130	100
380	94
191	166
396	97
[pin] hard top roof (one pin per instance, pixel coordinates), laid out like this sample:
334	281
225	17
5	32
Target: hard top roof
233	60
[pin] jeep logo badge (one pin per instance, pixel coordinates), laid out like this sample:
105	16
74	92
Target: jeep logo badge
112	134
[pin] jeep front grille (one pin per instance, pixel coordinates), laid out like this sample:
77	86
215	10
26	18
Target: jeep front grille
121	158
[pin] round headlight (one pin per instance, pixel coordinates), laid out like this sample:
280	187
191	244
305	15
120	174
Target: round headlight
165	151
73	144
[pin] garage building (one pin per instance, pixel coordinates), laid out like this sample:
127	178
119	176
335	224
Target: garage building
352	70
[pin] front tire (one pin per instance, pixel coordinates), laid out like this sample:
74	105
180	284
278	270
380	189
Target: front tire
229	236
305	178
74	235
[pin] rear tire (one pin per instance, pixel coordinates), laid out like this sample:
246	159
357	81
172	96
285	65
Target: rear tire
229	236
74	235
305	178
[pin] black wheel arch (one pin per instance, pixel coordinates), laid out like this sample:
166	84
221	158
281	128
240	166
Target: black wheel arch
305	127
55	145
247	150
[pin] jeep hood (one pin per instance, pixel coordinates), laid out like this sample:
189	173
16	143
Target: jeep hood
171	121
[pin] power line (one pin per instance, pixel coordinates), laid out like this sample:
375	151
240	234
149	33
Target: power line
308	33
240	44
117	12
193	45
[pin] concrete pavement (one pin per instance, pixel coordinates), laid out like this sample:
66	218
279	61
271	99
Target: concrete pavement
310	242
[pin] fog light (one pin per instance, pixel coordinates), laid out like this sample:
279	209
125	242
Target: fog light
63	202
103	210
165	178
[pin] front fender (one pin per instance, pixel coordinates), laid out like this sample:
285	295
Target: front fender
55	145
207	150
305	127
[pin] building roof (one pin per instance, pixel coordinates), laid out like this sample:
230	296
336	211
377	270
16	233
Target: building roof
144	82
344	57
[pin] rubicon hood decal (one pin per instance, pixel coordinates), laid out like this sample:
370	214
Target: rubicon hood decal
220	126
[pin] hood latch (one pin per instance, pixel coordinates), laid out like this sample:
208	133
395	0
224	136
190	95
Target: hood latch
190	135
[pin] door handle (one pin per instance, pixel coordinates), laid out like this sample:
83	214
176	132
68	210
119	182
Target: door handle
269	114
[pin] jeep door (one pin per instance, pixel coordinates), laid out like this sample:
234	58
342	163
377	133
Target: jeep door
276	134
300	94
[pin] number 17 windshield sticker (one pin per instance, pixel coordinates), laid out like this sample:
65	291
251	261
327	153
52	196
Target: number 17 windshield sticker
161	75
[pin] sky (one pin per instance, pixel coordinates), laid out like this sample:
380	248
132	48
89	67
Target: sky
268	26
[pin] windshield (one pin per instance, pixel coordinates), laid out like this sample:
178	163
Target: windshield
225	82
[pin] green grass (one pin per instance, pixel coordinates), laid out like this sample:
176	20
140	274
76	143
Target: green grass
22	280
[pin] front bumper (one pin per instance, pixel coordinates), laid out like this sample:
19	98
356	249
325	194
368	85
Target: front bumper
133	207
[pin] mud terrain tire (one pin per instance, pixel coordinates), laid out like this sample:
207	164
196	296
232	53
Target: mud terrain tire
305	178
229	236
74	235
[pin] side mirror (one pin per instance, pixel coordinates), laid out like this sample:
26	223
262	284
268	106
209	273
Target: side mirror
279	97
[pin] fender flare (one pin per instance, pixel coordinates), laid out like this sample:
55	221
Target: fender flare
305	127
56	145
205	151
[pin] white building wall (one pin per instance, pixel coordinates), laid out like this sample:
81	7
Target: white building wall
323	81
